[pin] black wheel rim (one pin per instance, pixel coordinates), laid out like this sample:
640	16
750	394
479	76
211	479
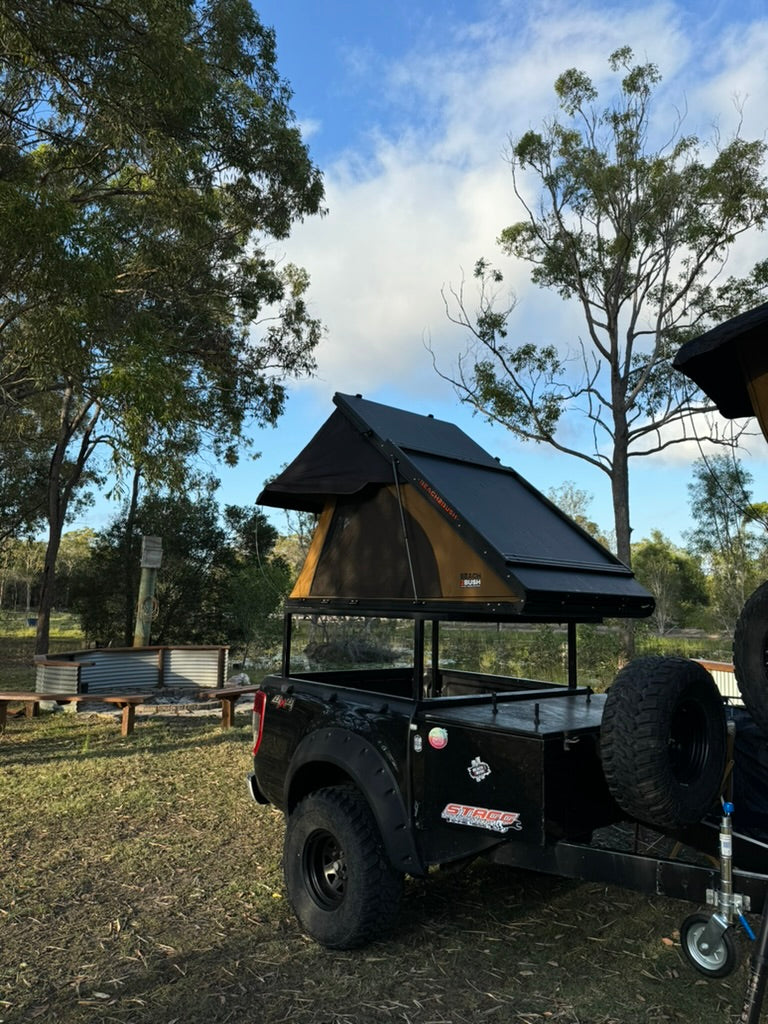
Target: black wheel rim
688	742
325	869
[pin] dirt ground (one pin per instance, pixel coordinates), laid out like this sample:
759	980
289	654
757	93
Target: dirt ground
141	886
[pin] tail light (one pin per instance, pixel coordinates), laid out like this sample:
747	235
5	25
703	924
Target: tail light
259	710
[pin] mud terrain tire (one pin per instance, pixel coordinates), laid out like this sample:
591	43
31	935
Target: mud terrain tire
340	884
663	741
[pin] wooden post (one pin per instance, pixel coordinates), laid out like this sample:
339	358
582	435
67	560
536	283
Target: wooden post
228	712
128	718
151	558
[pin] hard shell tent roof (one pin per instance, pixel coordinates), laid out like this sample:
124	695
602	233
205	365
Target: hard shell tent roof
415	515
730	365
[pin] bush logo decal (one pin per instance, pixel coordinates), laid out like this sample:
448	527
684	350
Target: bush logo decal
478	770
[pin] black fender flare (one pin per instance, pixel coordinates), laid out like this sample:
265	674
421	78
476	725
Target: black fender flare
357	758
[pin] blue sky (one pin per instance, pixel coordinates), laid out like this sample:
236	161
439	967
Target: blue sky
407	108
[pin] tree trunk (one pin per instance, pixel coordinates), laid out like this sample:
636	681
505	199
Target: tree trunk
55	529
620	495
60	490
128	576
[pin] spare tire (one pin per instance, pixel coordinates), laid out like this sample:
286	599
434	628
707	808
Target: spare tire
750	656
663	741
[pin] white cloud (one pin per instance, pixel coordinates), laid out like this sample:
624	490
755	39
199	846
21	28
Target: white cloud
433	190
427	191
309	128
697	436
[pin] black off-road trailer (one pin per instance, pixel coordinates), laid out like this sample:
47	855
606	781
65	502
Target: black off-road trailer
386	771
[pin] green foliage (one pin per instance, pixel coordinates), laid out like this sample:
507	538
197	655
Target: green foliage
24	456
637	237
21	563
575	503
599	655
150	160
252	595
728	534
469	649
217	584
345	642
546	654
540	652
675	579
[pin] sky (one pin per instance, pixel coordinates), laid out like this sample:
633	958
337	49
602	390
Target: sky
407	107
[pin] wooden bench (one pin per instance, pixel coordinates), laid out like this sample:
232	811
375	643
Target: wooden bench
126	702
229	696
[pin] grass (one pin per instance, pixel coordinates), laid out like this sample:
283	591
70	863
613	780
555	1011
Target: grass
17	646
141	886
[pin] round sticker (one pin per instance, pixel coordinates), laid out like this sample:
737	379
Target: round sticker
438	738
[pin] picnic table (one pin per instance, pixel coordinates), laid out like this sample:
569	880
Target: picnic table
229	696
127	703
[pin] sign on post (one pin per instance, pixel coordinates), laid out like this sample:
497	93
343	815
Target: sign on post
151	552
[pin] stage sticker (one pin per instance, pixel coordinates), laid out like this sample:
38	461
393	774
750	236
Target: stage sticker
482	817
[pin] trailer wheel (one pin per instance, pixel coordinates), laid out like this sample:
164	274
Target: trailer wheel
718	961
750	655
340	884
663	741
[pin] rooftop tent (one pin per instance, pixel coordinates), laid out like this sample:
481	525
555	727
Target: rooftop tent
730	365
413	513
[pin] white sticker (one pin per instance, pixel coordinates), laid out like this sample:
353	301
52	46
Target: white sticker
478	770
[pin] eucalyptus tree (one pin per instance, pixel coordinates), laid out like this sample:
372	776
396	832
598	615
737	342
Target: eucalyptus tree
674	577
24	454
575	503
634	235
728	533
149	163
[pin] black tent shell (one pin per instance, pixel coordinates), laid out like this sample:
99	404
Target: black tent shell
730	365
415	514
